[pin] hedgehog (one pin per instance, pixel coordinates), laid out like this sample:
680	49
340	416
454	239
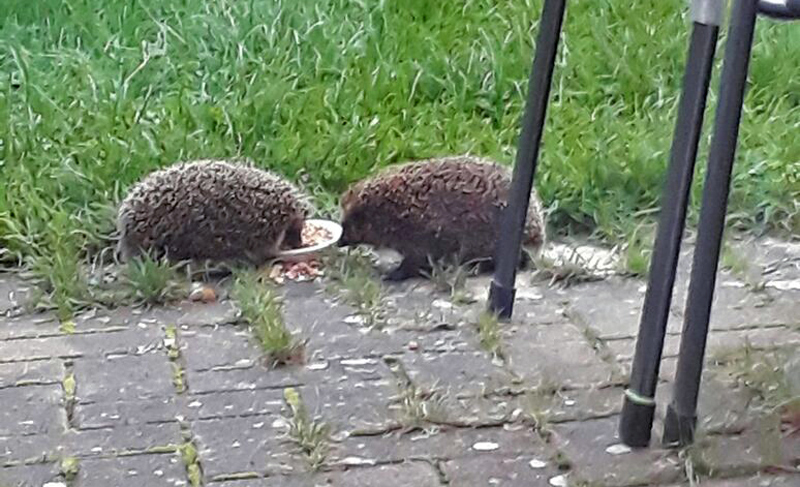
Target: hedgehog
211	210
436	210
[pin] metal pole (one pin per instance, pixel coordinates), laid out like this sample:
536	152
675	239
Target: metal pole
507	253
681	418
639	401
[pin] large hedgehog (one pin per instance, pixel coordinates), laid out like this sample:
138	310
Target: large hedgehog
444	209
211	209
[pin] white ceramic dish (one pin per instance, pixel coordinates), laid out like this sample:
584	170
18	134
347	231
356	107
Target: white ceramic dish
307	252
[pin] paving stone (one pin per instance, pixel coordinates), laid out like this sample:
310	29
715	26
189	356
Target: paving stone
253	444
537	359
271	481
443	443
747	453
204	348
29	449
132	471
31	410
755	481
124	378
121	440
123	413
623	349
575	405
14	293
30	373
460	374
401	475
585	443
234	403
117	342
206	314
611	307
28	475
406	474
740	308
259	377
502	471
30	326
721	405
362	407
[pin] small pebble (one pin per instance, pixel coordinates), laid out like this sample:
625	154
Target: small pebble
485	446
618	449
558	481
537	464
413	345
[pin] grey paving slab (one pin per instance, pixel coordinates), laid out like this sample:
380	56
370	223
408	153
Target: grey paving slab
31	410
132	471
14	292
29	449
753	450
468	373
444	443
30	326
204	348
30	373
28	475
119	341
515	471
348	407
763	480
107	414
315	371
585	444
123	378
121	440
256	444
401	475
572	363
410	473
233	403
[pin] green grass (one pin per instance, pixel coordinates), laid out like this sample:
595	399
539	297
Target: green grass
154	281
262	310
94	94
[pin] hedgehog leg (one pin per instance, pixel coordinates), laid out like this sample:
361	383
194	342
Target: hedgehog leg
409	267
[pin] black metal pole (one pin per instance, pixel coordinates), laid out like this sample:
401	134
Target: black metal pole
639	401
507	253
681	419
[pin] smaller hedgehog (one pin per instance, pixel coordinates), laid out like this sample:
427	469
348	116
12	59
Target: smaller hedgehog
211	209
444	209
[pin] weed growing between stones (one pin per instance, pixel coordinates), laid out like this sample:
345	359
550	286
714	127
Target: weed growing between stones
490	333
154	281
261	309
68	468
451	279
352	278
188	453
311	436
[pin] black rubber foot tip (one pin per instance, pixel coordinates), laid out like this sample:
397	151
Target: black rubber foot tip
636	423
678	429
501	300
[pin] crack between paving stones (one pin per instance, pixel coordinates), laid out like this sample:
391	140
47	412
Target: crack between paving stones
43	336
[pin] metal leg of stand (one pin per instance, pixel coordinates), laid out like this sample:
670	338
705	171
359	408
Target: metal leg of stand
639	401
501	292
680	422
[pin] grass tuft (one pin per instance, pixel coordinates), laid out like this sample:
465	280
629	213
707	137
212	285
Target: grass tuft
311	436
490	333
154	281
262	310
